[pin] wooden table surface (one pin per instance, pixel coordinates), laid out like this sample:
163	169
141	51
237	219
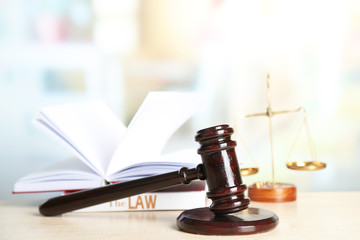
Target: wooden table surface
317	215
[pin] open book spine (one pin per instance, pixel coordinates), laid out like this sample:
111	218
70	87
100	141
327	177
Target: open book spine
153	201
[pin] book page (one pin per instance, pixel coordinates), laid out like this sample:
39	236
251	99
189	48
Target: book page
69	174
89	129
160	115
46	126
164	163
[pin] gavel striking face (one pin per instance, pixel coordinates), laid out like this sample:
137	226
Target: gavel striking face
219	168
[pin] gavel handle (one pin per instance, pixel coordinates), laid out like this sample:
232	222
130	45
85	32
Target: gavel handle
74	201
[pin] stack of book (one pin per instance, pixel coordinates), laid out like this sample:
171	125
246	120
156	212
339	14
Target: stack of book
106	152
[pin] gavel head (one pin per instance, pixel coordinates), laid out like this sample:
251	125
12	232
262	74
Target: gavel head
221	169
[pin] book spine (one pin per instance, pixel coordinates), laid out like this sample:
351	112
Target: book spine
153	201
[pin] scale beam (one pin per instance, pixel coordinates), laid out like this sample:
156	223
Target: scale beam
273	113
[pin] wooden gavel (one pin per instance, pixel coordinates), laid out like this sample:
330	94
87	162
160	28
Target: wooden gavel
219	168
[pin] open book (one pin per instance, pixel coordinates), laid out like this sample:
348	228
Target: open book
105	149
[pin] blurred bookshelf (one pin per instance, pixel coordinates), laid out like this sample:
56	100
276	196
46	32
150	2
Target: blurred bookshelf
55	52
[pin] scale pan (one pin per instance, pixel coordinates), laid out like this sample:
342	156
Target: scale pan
306	166
249	171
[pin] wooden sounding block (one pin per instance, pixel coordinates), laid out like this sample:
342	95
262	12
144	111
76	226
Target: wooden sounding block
248	221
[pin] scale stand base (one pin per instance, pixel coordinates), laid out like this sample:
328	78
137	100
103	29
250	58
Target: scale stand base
267	192
248	221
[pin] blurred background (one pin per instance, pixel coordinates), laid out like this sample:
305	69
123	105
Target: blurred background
59	51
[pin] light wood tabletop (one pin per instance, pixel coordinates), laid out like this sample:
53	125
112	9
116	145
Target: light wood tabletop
315	215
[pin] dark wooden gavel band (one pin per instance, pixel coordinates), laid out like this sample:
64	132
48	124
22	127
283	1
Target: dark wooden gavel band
74	201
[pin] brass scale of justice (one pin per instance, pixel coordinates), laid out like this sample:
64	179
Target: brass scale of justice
274	191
